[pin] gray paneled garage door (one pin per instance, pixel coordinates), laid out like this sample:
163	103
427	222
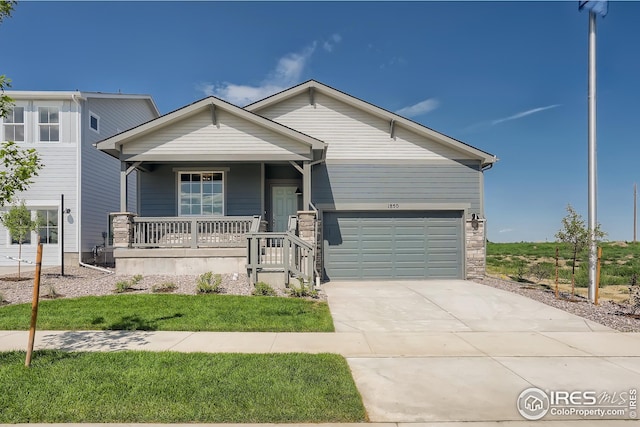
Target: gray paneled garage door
393	245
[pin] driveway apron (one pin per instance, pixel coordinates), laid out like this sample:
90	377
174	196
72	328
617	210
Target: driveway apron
457	351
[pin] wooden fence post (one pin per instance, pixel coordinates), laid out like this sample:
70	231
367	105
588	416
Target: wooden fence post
556	272
34	305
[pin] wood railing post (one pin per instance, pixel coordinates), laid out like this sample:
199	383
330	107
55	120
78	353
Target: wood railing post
194	233
285	258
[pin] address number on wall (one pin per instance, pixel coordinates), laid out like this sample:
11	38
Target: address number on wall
393	206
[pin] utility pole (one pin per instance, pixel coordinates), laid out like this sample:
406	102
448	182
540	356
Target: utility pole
635	211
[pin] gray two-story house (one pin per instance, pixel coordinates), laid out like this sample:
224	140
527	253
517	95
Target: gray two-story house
78	186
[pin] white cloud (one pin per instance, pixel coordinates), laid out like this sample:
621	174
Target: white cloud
524	114
287	73
420	108
506	230
333	40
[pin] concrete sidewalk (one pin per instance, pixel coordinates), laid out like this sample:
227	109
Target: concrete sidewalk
348	344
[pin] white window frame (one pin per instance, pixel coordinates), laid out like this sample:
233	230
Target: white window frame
179	190
37	123
97	117
33	207
37	232
5	124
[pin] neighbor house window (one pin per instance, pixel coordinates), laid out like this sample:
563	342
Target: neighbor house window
25	241
49	124
94	122
201	193
48	225
14	125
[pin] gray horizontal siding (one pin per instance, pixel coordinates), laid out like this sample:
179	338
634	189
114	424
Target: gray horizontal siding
158	193
243	190
448	182
101	172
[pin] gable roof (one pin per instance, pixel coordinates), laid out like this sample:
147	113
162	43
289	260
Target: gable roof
312	86
112	145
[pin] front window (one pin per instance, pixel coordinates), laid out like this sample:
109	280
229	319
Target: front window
48	225
49	124
201	193
14	125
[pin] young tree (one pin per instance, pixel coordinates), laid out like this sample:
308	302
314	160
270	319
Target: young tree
576	235
17	166
20	225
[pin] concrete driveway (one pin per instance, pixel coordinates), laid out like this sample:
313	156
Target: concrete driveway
458	351
442	305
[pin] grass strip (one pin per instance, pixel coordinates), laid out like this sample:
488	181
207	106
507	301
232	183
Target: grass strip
146	387
151	312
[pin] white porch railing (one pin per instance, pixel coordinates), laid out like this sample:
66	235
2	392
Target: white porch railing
192	232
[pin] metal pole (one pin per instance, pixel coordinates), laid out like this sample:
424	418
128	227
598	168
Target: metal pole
592	157
635	211
61	235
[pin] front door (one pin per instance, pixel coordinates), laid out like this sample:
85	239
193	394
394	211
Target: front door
284	202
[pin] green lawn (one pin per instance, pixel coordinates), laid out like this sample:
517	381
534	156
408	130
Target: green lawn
144	387
162	312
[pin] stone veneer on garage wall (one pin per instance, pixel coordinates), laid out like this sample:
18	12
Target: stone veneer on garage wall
475	245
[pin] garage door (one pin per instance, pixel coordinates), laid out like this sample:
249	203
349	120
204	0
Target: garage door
393	245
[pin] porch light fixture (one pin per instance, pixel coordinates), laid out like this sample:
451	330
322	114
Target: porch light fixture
474	221
298	192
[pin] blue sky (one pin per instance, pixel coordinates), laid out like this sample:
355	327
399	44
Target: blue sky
507	77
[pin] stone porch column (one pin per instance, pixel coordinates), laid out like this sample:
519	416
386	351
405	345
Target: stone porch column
310	230
475	248
123	229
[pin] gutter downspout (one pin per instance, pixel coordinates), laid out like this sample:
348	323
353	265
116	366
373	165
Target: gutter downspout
82	264
79	180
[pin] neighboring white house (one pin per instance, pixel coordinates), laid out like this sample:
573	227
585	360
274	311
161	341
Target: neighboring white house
62	127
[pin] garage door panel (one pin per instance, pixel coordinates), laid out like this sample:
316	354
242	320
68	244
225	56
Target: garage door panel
386	245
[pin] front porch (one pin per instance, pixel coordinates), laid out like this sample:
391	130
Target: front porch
224	245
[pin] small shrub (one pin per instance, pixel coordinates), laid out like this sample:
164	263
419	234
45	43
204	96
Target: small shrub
208	283
128	285
164	287
264	289
520	270
52	292
123	286
303	290
541	271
